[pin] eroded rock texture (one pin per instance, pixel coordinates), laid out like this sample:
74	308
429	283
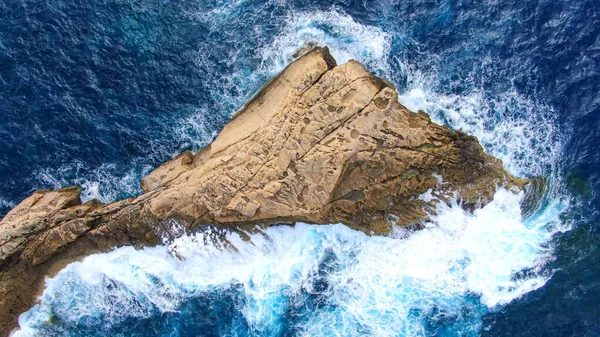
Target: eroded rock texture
320	143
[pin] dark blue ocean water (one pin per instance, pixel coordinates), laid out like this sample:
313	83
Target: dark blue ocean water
97	93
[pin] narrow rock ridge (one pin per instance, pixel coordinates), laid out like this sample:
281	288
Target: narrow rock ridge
319	143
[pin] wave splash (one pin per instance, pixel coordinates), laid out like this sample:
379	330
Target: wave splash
346	39
511	126
309	280
508	124
329	280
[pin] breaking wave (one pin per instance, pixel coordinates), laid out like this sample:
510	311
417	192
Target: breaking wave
308	280
311	280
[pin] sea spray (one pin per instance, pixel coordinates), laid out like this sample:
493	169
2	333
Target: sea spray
330	280
345	38
312	280
505	121
519	130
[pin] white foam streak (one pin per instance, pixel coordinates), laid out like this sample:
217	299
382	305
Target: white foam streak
346	39
518	130
514	128
376	284
104	183
460	266
193	132
5	203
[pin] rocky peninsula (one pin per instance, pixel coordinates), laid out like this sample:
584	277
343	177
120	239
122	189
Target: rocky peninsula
320	143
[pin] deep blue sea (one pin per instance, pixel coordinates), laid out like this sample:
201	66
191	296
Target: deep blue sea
97	93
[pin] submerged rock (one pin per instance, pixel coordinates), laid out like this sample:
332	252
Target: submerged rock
319	143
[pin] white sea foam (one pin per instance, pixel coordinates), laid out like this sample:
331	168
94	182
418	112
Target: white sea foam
346	39
512	127
104	183
461	265
192	131
5	203
378	285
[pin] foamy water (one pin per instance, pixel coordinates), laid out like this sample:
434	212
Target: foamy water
335	281
104	183
386	286
345	38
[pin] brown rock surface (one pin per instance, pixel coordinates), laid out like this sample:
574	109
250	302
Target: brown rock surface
320	143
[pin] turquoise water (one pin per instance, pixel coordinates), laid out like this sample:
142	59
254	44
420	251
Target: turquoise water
308	280
107	90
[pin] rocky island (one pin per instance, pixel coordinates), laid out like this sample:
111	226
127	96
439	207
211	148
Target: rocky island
320	143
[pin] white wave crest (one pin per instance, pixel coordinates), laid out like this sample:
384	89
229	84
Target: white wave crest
461	265
519	130
515	129
346	39
387	286
105	183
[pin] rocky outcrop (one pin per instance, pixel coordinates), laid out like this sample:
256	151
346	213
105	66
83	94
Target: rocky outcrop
319	143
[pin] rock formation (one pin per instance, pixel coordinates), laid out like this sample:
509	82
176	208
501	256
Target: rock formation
319	143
